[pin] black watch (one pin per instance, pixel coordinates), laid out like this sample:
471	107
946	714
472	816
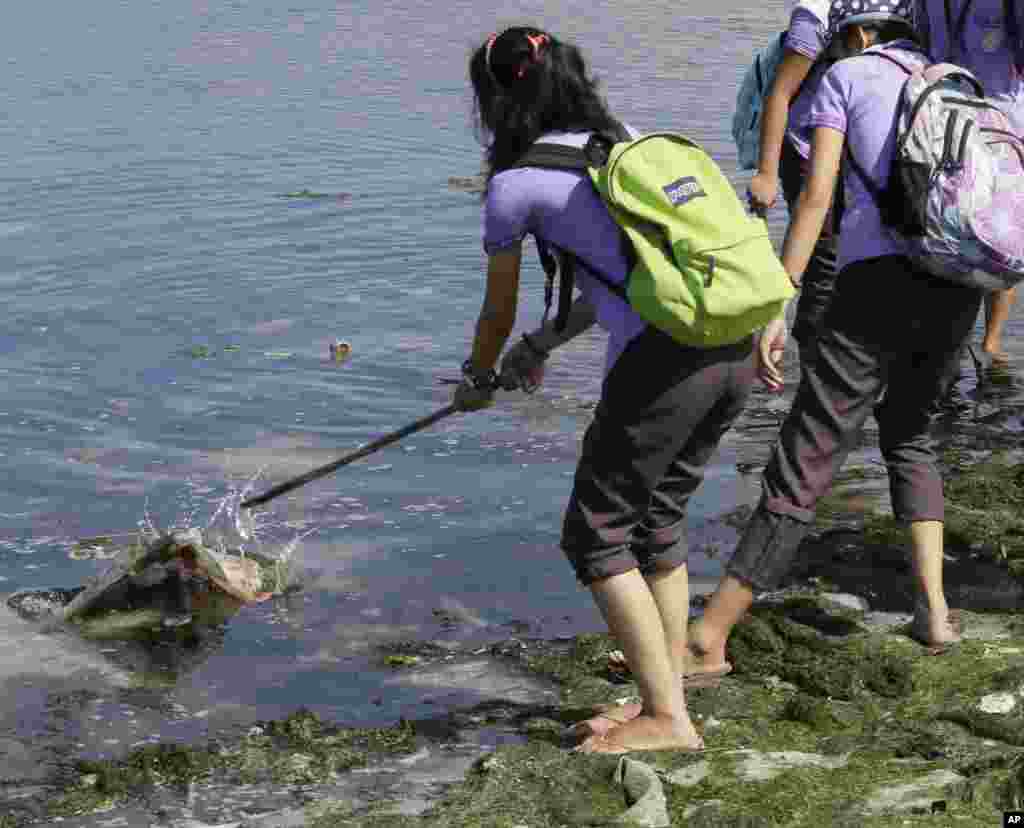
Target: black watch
487	382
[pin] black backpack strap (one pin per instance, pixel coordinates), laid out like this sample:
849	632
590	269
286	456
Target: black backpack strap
562	263
554	157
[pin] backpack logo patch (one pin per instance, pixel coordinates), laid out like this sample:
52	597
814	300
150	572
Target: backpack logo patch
684	190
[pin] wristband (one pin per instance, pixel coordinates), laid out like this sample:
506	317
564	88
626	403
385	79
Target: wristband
537	351
487	382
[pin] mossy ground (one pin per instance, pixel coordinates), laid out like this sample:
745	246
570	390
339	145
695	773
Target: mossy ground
809	676
300	749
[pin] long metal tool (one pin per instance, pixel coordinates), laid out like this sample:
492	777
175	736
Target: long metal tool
369	448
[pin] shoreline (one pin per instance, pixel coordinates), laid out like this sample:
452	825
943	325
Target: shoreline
831	716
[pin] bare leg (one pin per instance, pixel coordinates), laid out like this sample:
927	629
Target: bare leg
931	617
633	617
671	591
997	311
708	636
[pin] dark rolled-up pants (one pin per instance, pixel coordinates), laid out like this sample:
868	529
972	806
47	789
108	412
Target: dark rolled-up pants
663	410
891	329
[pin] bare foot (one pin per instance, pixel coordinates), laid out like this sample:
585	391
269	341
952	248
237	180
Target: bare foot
646	732
936	629
607	720
704	658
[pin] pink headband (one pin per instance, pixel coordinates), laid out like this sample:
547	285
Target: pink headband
537	42
487	56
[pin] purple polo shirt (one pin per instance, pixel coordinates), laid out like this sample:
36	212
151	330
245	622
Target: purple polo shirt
806	36
563	208
858	96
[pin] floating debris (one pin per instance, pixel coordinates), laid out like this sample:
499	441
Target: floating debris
206	352
467	183
311	194
340	350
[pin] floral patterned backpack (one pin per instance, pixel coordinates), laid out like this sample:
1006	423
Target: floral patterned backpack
955	191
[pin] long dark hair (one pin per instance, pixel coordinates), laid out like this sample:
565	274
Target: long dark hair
526	82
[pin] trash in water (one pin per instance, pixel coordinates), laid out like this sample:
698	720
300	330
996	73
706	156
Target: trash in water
467	183
340	350
305	193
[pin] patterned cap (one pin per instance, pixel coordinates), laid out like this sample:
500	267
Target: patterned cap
844	13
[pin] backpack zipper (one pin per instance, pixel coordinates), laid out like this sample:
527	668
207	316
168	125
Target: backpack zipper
712	260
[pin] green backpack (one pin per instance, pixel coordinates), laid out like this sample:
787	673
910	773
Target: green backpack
702	269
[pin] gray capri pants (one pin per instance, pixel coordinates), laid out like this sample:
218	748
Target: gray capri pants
663	409
889	339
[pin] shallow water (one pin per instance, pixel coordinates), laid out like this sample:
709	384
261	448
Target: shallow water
169	314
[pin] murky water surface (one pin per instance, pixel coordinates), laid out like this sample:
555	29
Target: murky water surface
200	199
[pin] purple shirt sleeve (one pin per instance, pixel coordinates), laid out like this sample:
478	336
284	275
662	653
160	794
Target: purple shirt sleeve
829	107
506	212
806	34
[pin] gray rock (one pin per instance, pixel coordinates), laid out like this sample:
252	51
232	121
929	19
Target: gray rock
644	793
845	599
760	767
690	775
914	796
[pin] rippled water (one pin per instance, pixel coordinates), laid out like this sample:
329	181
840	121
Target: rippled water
169	309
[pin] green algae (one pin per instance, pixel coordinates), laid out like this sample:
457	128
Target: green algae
984	510
304	749
300	749
809	676
814	712
580	668
102	783
771	643
1000	785
397	660
535	784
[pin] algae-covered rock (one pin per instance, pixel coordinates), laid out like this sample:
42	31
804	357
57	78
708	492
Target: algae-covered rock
813	711
918	796
301	749
1000	787
535	784
168	582
771	642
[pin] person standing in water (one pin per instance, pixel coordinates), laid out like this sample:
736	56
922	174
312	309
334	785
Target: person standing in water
987	38
663	408
887	343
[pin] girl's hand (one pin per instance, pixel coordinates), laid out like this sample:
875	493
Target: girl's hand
769	353
763	192
468	397
522	366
